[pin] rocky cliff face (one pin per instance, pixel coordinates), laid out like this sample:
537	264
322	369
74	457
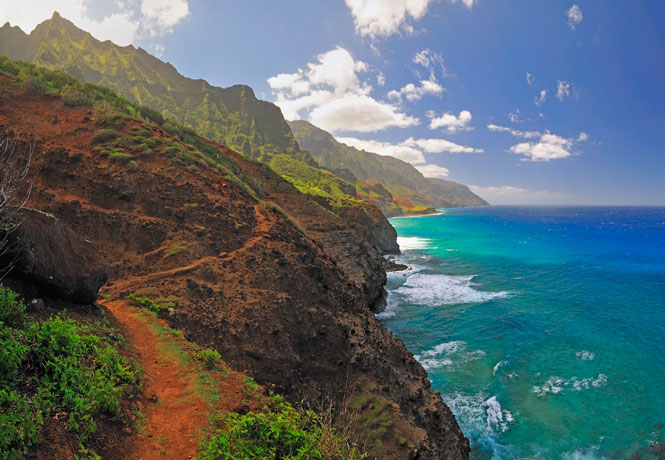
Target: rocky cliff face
268	283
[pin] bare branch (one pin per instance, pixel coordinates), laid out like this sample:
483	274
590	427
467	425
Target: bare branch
16	157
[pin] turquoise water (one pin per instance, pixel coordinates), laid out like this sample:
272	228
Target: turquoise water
543	328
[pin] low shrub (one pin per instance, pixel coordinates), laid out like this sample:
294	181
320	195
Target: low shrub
57	366
76	96
148	303
279	432
103	136
210	358
121	156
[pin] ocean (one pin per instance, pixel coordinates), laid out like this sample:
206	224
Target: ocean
543	328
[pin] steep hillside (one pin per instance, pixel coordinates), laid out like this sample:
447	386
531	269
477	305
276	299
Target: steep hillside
232	116
407	185
241	261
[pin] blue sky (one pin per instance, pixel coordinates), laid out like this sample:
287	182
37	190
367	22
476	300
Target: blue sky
550	102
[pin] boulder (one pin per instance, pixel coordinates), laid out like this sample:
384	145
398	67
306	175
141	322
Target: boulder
47	253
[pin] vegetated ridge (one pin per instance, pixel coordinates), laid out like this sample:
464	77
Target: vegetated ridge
233	255
231	116
407	185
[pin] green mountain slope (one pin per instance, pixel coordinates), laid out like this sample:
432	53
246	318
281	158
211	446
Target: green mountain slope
408	186
231	116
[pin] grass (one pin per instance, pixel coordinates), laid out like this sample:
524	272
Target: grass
56	366
175	248
156	306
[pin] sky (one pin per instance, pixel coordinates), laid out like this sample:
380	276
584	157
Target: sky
527	102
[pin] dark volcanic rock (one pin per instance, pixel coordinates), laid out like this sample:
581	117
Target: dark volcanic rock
48	254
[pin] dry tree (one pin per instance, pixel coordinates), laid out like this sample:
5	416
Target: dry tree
16	157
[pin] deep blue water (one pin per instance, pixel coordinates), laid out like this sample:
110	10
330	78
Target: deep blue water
543	328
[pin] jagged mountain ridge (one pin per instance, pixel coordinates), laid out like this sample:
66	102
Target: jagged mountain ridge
232	116
404	181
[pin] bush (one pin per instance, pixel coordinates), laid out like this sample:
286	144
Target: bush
76	96
104	135
278	433
148	303
12	308
58	365
112	120
121	156
210	358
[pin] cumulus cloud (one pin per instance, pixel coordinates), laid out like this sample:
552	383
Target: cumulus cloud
413	93
562	89
124	23
450	122
382	18
433	171
331	94
161	15
439	146
507	194
540	100
548	146
574	14
403	152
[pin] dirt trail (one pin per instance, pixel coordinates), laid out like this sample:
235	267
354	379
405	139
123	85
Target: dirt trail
174	414
261	231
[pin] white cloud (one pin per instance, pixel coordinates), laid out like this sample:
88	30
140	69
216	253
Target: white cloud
529	79
439	146
403	152
450	122
508	194
562	89
574	14
161	15
548	147
382	18
515	116
433	171
540	100
124	24
331	94
413	93
358	112
467	3
380	79
514	132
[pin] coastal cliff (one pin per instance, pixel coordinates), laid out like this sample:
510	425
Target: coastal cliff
277	283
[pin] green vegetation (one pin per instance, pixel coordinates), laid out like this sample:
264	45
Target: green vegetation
103	136
210	358
279	431
415	192
58	366
157	306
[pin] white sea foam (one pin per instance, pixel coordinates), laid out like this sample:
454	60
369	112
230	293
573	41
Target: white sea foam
582	454
497	418
498	365
437	289
407	243
556	385
585	355
438	356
